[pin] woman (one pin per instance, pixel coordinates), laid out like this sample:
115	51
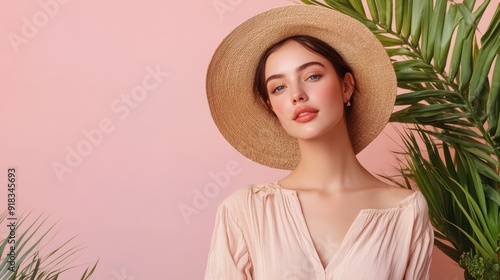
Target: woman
306	88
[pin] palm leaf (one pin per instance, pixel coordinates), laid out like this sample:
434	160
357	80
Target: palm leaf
30	264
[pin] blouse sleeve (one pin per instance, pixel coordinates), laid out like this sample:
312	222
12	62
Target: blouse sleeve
228	258
422	244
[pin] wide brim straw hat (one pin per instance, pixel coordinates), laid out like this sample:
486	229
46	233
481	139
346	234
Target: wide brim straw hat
243	118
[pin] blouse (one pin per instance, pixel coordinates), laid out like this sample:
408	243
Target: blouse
261	233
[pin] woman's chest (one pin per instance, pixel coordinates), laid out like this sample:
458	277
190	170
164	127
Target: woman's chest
288	240
327	220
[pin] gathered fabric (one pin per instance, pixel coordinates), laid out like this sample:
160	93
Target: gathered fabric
260	233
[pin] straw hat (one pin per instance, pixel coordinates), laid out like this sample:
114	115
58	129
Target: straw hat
244	120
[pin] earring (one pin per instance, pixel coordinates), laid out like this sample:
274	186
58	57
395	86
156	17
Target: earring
348	103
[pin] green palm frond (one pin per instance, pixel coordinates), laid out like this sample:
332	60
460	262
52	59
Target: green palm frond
450	73
29	262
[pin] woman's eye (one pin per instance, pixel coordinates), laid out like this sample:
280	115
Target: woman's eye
278	89
314	77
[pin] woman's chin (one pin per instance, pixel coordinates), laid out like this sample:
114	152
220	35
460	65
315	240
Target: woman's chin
309	136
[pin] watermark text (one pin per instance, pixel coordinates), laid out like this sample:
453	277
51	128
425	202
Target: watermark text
201	196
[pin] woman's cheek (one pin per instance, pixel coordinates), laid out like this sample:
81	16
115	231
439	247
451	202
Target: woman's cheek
278	109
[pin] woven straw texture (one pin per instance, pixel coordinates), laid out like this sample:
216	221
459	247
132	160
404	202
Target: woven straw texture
243	119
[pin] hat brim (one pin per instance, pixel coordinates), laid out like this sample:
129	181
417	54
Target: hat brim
246	123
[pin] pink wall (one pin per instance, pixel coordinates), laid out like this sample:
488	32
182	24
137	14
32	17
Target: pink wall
104	114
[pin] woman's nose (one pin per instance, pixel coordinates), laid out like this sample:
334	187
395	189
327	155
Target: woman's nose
298	94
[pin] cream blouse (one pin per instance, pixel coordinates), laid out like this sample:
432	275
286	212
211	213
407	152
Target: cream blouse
260	233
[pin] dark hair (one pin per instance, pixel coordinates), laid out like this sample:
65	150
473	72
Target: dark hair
311	43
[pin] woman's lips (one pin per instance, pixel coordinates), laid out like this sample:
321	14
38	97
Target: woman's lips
304	114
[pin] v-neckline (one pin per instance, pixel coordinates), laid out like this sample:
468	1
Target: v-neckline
310	240
349	232
305	228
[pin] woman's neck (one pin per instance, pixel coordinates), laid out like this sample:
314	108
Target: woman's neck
327	163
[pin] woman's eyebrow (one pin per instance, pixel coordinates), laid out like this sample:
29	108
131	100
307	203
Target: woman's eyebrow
298	69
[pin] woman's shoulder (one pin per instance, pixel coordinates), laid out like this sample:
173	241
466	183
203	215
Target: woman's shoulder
407	197
410	201
390	197
242	195
248	200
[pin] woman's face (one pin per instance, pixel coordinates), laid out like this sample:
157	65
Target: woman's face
305	92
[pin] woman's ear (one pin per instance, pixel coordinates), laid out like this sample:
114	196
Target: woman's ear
348	85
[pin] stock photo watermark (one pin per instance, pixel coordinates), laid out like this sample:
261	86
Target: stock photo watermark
201	196
11	227
222	7
31	26
121	108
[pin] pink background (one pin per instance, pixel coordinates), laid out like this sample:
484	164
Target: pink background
76	79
